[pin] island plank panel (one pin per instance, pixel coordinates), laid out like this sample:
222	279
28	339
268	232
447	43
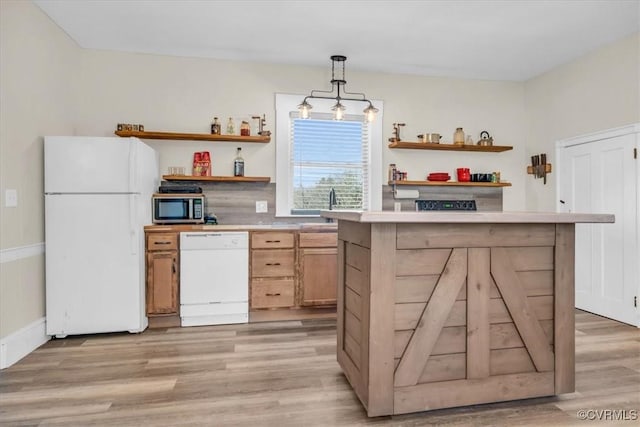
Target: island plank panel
432	320
478	285
564	319
484	315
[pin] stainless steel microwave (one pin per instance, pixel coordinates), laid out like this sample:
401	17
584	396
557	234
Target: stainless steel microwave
178	208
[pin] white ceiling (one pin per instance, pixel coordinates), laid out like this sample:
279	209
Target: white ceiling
481	39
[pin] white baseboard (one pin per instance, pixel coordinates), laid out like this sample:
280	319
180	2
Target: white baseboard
17	345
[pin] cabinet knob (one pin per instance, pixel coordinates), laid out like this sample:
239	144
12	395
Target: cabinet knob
273	295
273	263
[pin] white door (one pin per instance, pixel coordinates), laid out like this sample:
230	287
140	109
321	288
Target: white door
93	262
601	176
78	164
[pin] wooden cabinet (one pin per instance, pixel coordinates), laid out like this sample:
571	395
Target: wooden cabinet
272	269
292	274
318	270
162	274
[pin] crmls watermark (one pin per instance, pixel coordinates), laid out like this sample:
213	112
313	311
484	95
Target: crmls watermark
608	414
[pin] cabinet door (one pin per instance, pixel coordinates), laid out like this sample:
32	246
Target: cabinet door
319	275
162	282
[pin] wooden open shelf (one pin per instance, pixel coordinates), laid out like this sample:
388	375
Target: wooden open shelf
452	183
192	136
450	147
216	178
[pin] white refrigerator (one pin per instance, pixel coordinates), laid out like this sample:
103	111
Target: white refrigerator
97	201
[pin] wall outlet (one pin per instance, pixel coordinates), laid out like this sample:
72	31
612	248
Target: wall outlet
11	198
261	206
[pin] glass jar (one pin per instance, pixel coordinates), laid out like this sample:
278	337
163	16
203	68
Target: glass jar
245	129
215	127
458	137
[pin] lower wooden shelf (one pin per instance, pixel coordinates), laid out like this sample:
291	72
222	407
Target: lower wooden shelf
451	183
216	178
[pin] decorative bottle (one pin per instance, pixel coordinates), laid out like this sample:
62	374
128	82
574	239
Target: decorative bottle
231	128
458	137
238	164
215	127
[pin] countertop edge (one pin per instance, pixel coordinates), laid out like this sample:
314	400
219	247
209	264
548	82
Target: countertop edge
467	217
311	227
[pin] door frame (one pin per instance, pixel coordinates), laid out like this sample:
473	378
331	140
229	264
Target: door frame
594	137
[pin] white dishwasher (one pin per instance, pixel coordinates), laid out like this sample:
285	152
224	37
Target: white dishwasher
214	278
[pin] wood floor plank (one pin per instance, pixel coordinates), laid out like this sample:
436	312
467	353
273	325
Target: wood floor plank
280	374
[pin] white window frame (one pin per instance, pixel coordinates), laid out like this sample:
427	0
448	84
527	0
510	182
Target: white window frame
285	105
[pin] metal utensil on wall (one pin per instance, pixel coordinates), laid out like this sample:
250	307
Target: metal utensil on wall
539	167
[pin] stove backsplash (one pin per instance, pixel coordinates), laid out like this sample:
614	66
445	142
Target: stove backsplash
487	198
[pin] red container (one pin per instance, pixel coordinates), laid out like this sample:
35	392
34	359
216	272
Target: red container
464	174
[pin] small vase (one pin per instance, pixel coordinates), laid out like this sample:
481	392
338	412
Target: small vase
458	137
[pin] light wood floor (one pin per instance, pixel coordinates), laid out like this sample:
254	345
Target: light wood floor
273	374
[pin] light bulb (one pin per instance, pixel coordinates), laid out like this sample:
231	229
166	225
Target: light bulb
338	110
304	109
370	113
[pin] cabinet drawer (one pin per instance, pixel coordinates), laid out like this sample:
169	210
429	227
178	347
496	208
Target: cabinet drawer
162	241
318	240
271	293
269	239
272	262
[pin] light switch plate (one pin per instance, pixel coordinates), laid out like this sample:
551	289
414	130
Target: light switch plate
261	206
11	198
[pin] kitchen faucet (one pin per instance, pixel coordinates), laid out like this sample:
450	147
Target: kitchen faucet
333	201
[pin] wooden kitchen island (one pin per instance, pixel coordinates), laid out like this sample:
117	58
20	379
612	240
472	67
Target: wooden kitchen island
444	309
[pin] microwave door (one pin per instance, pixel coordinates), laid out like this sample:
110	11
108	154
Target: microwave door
171	210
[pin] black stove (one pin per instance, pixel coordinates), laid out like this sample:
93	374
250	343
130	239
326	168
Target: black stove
445	205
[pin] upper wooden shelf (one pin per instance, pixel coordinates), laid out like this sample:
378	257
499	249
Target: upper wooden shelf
192	136
450	147
452	183
216	178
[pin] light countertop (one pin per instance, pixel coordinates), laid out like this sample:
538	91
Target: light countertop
466	217
245	227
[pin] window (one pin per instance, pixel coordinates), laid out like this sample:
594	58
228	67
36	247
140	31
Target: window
316	155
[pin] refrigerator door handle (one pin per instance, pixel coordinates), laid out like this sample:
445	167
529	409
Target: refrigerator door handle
133	231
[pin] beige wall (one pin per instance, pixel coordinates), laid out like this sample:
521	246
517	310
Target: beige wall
183	94
37	66
598	91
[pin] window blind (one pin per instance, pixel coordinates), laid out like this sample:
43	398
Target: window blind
328	154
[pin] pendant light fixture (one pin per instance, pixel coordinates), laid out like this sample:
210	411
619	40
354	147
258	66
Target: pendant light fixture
338	93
